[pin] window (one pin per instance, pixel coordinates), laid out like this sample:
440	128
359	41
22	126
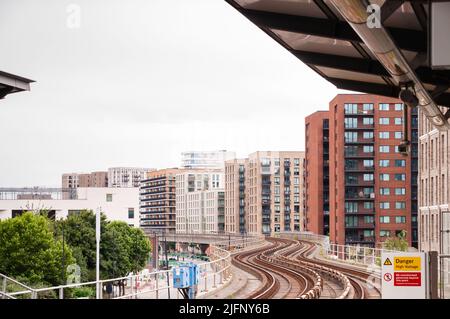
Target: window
130	213
368	135
399	106
368	177
384	107
396	150
384	177
277	199
398	135
296	161
276	162
351	221
384	219
400	219
384	135
385	233
385	205
350	108
398	121
368	120
368	219
296	181
351	122
400	163
368	163
400	191
400	205
109	197
351	137
385	191
384	148
384	163
384	121
400	177
368	107
368	205
351	207
368	149
368	233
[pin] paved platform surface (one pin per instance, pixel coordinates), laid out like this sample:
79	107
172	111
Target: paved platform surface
241	285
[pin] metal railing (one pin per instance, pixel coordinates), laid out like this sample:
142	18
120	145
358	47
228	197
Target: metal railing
355	254
144	285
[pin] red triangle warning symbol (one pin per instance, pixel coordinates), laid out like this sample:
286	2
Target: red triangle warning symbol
387	262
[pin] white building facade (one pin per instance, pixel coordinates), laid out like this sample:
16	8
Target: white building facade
200	201
118	204
126	176
206	160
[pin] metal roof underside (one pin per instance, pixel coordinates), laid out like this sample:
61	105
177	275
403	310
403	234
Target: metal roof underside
10	83
316	33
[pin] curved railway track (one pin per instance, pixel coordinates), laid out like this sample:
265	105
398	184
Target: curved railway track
288	269
277	281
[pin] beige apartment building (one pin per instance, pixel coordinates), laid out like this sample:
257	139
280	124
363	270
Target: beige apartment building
199	201
264	193
434	196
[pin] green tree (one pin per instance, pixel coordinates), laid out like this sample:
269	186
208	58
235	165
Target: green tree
123	250
139	250
397	243
29	250
79	233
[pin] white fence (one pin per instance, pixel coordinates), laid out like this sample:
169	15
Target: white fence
146	285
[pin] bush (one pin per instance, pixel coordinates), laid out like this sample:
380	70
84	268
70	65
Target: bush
83	292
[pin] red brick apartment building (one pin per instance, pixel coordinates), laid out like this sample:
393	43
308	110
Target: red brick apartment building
359	188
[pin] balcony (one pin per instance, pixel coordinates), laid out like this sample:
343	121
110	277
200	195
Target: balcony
359	183
360	225
359	113
359	155
360	240
360	169
360	141
358	196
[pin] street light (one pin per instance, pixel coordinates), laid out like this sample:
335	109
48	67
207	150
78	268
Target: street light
97	257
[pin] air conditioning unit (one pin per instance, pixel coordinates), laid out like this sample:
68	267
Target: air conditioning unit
372	195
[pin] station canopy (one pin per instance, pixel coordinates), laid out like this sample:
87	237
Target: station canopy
10	83
317	34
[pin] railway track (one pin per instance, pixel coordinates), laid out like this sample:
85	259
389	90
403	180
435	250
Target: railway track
288	269
277	281
358	279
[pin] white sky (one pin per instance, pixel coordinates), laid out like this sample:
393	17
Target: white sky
141	81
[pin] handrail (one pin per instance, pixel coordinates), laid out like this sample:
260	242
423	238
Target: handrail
220	265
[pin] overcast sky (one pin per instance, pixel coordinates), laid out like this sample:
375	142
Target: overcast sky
139	82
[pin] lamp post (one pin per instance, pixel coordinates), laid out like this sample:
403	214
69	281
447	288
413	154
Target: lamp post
97	257
63	254
167	265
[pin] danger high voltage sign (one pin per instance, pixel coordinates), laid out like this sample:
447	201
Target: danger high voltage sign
403	275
